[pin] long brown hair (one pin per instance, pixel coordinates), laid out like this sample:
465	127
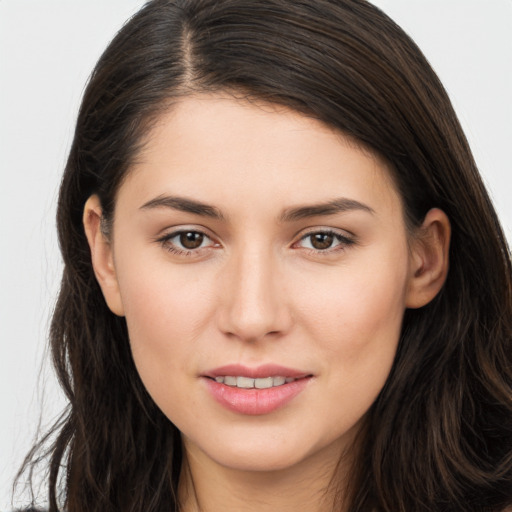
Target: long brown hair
439	436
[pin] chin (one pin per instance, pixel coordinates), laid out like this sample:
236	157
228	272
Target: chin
259	461
267	450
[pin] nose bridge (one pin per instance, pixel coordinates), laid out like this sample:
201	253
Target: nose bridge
254	304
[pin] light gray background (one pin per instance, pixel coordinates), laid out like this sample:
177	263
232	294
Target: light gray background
47	50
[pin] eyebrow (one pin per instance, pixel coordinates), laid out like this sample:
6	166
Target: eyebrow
185	205
339	205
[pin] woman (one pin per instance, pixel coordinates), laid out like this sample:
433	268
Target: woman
285	286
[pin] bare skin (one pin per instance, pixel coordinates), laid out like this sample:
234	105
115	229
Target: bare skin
250	235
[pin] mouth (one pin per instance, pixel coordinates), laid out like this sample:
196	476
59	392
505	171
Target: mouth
256	391
260	377
250	383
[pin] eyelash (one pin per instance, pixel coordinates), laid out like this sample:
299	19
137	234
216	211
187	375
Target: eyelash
342	242
166	243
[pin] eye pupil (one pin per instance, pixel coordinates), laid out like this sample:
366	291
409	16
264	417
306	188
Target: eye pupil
322	240
191	239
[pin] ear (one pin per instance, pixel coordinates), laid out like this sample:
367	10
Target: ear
102	255
429	259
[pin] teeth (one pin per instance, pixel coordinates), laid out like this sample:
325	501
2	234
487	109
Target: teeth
244	382
268	382
248	383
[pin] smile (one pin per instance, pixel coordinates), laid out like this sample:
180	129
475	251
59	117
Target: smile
249	383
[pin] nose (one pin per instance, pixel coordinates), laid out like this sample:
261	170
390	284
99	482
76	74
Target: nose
254	302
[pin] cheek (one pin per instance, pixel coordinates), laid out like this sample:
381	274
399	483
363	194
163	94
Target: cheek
355	315
166	312
356	328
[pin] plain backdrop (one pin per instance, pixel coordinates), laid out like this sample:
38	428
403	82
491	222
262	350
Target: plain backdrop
47	50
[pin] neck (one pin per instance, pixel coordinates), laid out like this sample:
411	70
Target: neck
310	486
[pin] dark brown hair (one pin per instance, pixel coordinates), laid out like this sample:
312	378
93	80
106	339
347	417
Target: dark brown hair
439	436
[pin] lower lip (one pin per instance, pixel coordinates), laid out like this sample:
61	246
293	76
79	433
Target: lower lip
255	401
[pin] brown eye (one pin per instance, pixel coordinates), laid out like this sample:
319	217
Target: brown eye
187	244
321	241
191	239
324	241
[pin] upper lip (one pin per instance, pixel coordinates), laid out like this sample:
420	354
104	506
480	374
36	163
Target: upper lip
257	372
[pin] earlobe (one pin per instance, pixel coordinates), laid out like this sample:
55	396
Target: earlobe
429	259
101	255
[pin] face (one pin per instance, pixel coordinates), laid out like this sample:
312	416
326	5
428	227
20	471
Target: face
254	247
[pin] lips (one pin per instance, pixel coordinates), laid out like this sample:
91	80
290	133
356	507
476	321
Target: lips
255	391
263	371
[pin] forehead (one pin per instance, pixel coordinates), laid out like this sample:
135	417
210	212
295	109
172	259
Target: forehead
213	147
